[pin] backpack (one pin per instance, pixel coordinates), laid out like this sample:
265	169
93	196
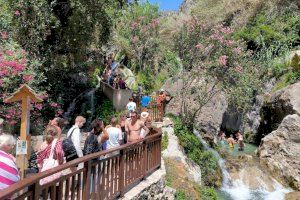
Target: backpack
68	146
91	145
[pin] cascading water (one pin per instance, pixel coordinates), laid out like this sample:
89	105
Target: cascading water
251	184
87	95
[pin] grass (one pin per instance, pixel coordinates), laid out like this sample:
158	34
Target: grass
165	141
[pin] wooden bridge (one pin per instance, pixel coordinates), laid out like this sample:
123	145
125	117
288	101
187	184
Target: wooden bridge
105	175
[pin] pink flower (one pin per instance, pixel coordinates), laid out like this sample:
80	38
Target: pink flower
4	35
39	106
54	105
199	46
10	53
17	13
223	60
1	82
135	39
238	69
229	42
238	50
27	78
12	122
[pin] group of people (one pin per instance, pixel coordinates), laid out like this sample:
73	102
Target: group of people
110	74
126	129
145	100
231	141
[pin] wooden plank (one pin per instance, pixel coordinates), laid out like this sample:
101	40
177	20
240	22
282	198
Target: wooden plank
73	187
79	186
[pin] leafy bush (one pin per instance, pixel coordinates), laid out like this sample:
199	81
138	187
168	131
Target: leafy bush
180	195
165	141
210	171
106	111
208	193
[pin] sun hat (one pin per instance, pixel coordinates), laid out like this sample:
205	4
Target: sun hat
144	114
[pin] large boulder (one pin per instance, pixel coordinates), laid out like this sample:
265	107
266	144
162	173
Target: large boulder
280	151
280	104
209	119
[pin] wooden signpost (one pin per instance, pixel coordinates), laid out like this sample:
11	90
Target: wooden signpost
24	94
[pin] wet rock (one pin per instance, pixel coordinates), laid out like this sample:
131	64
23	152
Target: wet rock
280	151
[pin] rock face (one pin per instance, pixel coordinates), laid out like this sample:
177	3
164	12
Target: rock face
209	119
282	103
280	148
280	151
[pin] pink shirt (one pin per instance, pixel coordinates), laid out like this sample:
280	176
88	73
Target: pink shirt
9	173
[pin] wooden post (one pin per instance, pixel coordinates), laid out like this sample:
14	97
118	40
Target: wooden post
24	94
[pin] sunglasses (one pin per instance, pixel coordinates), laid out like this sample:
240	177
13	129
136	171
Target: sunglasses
133	116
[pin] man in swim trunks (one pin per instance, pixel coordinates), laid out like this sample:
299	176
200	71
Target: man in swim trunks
231	142
133	128
240	141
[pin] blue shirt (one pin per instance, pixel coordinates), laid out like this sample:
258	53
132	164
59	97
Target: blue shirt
145	101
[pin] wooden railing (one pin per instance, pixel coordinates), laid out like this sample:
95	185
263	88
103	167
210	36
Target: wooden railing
105	175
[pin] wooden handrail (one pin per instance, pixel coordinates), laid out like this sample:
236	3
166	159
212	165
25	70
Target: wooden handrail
112	161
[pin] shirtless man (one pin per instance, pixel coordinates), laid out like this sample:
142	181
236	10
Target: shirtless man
240	141
133	128
231	142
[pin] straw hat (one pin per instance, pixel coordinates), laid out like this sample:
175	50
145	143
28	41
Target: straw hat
144	114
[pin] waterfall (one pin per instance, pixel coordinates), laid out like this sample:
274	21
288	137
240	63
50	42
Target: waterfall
87	95
252	184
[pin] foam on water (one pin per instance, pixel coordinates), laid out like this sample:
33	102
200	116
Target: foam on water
237	190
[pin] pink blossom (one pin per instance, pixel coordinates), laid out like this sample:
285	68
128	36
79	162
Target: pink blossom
39	106
12	122
134	25
135	39
54	105
229	42
1	82
17	13
10	53
4	35
199	46
226	30
155	22
238	69
238	50
223	60
27	78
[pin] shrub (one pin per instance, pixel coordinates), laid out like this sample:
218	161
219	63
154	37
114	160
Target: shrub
210	171
208	193
165	141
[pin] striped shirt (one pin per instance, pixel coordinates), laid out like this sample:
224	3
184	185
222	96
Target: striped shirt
9	173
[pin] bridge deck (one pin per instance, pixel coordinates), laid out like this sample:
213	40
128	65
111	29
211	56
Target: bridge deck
105	175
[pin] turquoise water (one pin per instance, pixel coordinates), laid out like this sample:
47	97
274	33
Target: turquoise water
249	149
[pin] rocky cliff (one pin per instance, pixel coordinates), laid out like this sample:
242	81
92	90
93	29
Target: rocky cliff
280	148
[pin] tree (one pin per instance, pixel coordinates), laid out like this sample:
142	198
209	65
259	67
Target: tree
213	63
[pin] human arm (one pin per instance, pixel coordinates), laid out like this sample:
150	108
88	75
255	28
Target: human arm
143	126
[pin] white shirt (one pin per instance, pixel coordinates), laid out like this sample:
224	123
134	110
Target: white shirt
131	106
76	138
115	135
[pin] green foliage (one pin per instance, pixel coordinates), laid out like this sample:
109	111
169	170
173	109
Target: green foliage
210	171
180	195
165	141
106	111
208	193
